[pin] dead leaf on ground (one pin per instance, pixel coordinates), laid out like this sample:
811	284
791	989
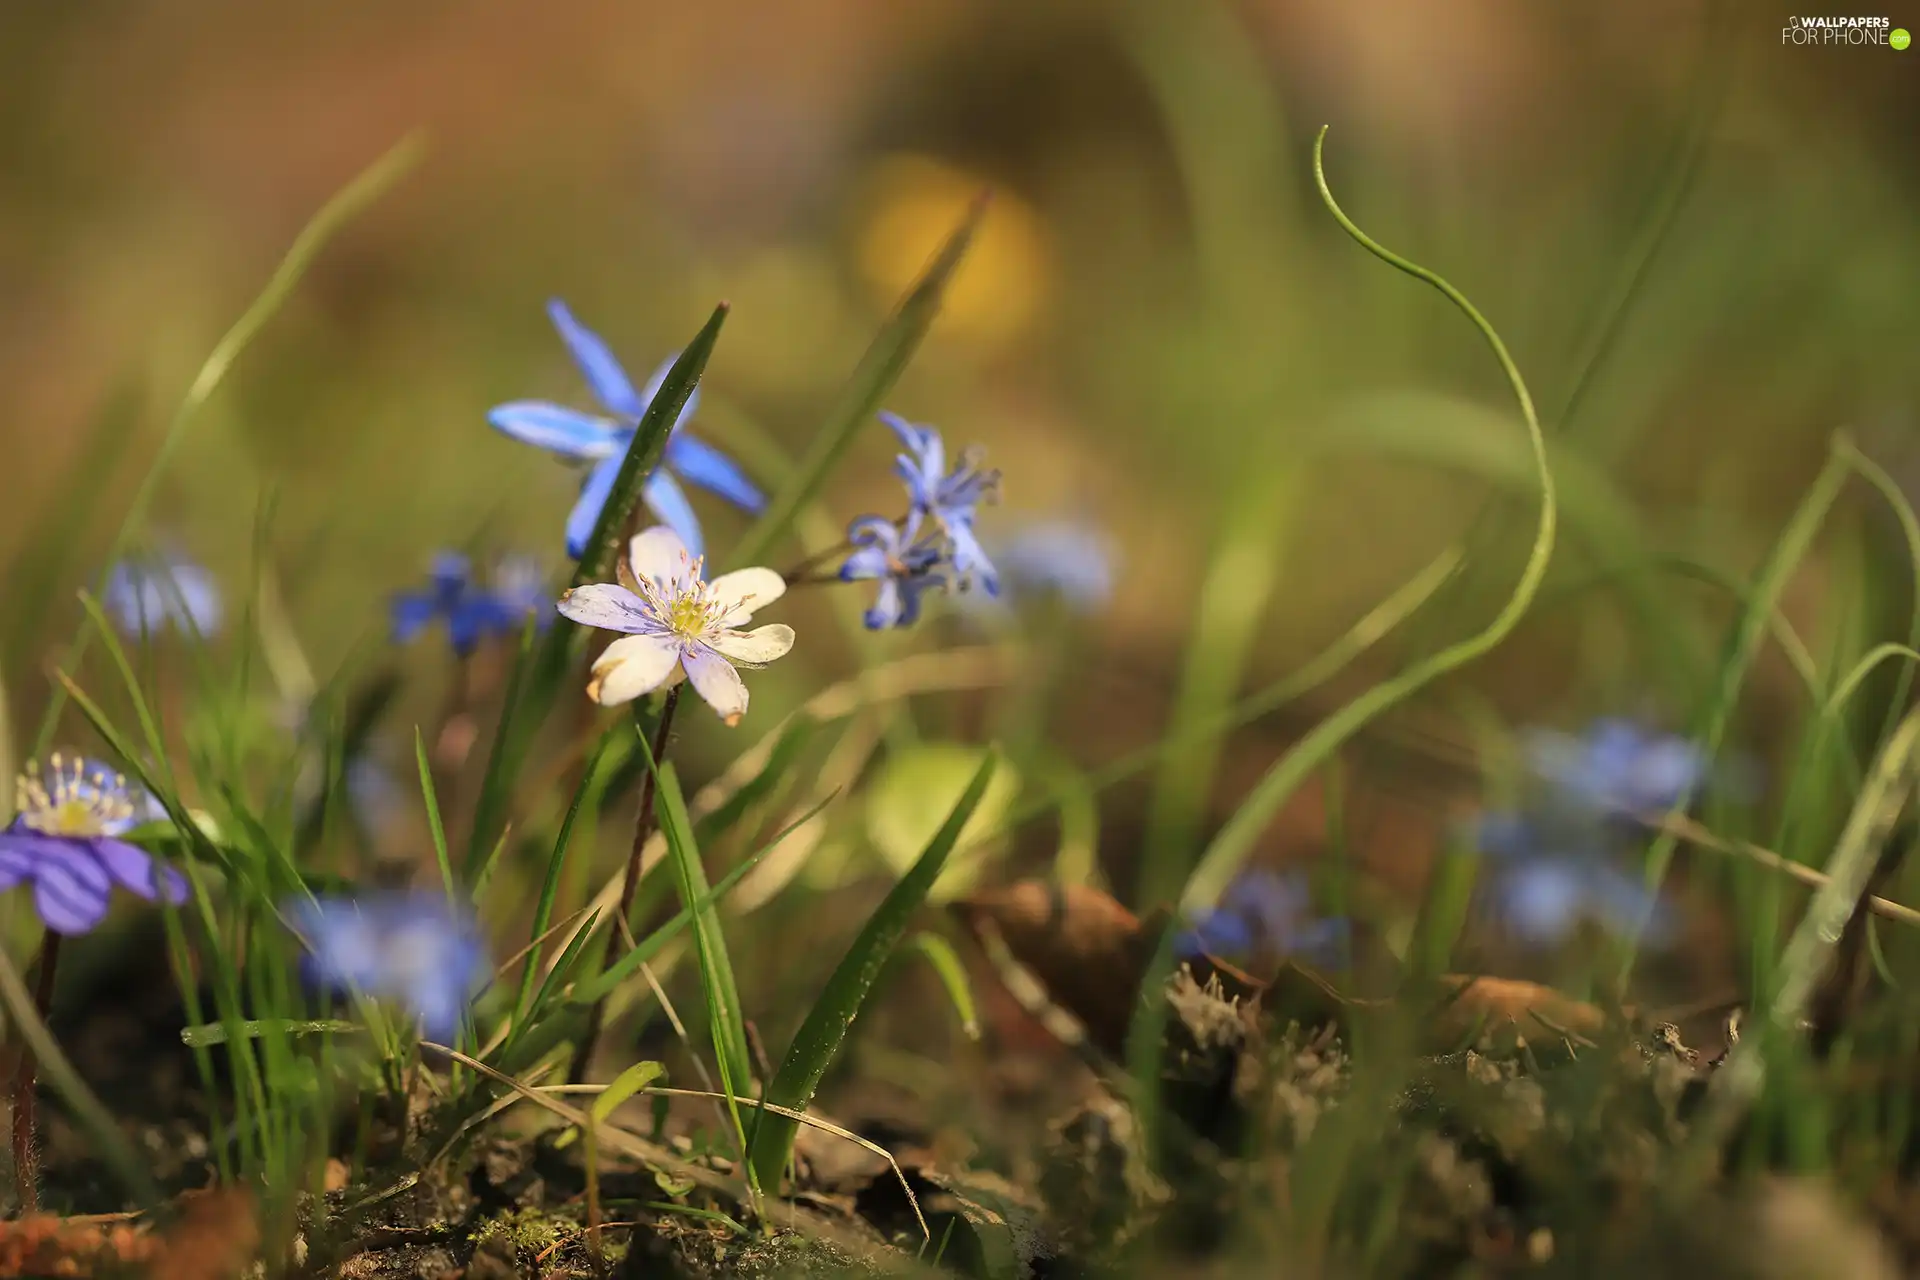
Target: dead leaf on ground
1091	954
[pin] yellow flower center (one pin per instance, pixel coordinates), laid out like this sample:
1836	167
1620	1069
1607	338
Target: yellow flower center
71	803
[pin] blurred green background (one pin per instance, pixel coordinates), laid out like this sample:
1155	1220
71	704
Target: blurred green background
1699	245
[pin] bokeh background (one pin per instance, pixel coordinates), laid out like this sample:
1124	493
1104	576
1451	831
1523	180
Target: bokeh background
1698	244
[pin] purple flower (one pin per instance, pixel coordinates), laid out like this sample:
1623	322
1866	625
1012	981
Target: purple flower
603	442
948	498
1617	768
471	612
65	843
1550	877
1067	557
145	594
904	564
413	948
1263	912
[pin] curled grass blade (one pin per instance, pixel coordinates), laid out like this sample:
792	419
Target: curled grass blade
349	202
818	1041
1230	848
885	360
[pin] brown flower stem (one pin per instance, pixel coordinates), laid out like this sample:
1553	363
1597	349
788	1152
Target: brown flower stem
26	1160
800	571
642	830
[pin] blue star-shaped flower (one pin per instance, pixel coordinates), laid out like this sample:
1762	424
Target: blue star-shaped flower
1548	881
411	948
472	613
948	498
903	564
1617	768
144	594
603	442
1263	911
1067	557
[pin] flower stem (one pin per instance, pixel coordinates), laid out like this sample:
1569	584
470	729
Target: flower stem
798	573
642	830
26	1160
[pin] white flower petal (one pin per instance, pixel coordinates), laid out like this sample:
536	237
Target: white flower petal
608	606
744	591
759	646
659	554
631	667
715	680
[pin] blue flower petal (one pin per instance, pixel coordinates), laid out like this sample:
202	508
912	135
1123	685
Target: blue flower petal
138	871
558	429
668	502
1543	899
865	562
472	620
586	511
70	892
605	377
412	611
699	463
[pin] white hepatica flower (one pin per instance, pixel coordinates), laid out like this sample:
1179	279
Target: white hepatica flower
678	626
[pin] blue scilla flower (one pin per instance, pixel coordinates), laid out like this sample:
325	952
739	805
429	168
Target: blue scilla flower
146	594
1263	912
472	613
948	499
412	948
65	843
1617	768
904	564
1068	558
603	442
1549	877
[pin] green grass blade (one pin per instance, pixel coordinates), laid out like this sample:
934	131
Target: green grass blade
432	799
550	886
953	978
1743	643
624	1086
1230	848
521	716
1234	594
885	360
620	970
349	202
794	739
722	995
818	1041
1888	790
1889	488
211	1033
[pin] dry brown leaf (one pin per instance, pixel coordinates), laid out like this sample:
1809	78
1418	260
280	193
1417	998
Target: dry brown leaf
215	1238
1091	953
43	1245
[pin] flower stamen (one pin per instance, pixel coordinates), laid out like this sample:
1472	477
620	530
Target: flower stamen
70	802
